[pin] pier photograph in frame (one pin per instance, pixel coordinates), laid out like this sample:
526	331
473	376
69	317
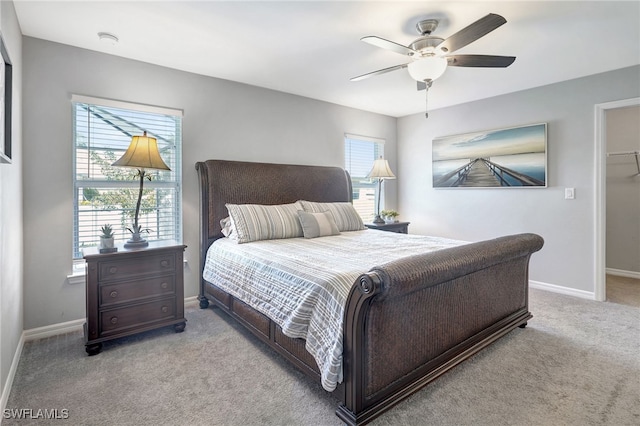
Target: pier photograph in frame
513	157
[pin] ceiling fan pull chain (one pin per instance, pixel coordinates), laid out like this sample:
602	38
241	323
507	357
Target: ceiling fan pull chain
426	98
426	104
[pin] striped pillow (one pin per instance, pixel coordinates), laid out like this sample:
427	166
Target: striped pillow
345	215
255	222
317	224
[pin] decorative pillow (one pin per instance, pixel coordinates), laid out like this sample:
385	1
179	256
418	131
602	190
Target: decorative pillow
344	214
317	224
227	228
254	222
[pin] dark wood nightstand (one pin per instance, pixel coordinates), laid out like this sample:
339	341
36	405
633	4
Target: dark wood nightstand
399	227
133	290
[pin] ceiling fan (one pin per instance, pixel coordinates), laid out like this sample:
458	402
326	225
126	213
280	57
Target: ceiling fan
430	55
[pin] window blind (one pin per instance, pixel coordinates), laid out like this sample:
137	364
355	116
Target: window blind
104	194
359	154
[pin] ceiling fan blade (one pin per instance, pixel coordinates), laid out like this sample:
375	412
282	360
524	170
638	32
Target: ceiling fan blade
471	33
382	71
389	45
486	61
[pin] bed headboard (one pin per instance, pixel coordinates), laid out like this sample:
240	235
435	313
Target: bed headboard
240	182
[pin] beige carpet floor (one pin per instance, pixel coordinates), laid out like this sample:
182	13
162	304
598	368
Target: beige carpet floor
577	363
623	290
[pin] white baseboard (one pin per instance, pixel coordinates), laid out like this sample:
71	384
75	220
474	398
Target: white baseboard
191	301
622	273
562	290
6	389
53	330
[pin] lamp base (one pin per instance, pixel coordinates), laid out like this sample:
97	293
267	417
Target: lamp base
378	219
136	241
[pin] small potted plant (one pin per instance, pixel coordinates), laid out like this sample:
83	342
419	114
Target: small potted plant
390	216
106	240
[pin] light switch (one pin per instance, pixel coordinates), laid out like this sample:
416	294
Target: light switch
569	193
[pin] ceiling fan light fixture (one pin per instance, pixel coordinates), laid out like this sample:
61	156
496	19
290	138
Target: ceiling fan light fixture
428	68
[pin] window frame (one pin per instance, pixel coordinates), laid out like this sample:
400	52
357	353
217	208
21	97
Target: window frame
356	181
173	182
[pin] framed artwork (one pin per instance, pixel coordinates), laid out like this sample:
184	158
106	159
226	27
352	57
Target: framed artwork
513	157
6	90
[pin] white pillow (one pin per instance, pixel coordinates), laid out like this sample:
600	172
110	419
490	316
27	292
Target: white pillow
344	214
317	224
227	228
255	222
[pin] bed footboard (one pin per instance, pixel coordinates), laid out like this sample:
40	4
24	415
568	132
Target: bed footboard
409	321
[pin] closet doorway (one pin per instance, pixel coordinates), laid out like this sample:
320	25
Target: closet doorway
618	198
622	252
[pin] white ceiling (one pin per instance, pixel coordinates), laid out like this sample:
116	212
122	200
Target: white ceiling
312	48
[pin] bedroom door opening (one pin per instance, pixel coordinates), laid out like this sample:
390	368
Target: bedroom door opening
600	291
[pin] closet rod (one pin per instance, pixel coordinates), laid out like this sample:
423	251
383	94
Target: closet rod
609	154
636	153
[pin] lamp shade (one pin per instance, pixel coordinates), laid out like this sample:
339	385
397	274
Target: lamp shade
427	68
381	170
142	154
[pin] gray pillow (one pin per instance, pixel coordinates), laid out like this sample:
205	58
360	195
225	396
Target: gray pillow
344	214
317	224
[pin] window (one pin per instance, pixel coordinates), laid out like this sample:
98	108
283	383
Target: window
359	154
103	194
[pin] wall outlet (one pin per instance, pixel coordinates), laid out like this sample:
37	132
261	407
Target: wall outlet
569	193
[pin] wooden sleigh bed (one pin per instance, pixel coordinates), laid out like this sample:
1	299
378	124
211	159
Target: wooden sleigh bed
406	322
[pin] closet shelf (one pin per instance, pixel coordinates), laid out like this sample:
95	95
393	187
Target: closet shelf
635	153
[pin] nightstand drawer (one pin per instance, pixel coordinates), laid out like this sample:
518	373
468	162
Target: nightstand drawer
136	290
115	320
141	265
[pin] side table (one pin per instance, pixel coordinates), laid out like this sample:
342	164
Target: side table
133	290
399	227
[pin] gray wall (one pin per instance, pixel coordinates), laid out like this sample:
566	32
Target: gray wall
11	308
473	214
623	190
222	120
235	121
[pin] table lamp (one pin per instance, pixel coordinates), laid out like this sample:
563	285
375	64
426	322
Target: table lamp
380	171
143	155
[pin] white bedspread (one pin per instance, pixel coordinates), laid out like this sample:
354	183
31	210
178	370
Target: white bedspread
302	284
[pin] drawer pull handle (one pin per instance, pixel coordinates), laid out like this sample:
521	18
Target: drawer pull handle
113	270
164	285
113	294
165	309
164	263
114	320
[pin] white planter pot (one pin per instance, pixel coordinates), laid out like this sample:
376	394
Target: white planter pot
106	244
